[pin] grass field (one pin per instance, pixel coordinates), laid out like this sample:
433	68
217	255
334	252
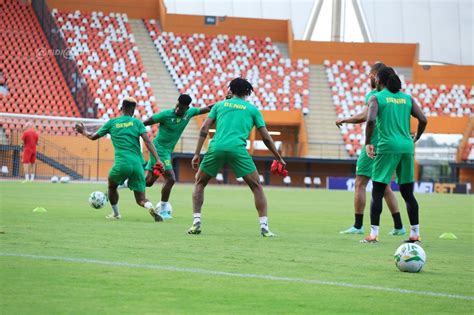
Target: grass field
72	260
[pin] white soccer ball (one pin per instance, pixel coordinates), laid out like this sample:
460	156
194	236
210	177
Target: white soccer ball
97	200
65	179
54	179
410	257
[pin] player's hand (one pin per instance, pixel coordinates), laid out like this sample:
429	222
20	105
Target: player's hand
279	168
158	169
195	161
370	150
339	123
80	128
415	138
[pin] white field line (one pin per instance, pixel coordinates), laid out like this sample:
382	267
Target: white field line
239	275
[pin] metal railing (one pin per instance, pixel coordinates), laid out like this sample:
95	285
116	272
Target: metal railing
71	72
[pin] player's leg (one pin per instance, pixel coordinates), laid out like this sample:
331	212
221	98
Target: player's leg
212	162
383	169
406	179
26	170
202	179
150	177
165	205
392	204
253	182
26	165
32	166
137	183
32	171
142	201
243	166
113	196
360	194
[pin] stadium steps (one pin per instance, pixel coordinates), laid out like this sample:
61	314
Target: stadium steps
59	166
406	72
324	139
162	84
283	48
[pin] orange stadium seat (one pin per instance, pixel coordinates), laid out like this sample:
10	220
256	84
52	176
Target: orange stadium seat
105	51
30	78
202	66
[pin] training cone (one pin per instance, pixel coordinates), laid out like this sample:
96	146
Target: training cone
448	236
39	209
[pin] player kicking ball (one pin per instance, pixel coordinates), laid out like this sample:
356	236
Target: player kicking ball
172	124
364	170
235	118
390	110
125	132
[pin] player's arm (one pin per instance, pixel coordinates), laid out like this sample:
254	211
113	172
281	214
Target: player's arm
369	129
205	110
151	148
418	114
149	122
202	137
83	131
356	119
270	144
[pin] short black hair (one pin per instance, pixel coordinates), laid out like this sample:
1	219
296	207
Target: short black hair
129	103
240	87
184	99
377	66
389	78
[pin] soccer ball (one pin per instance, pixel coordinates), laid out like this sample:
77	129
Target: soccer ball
97	200
410	257
65	179
54	179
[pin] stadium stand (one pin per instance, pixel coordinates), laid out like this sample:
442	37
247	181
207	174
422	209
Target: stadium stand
27	66
349	83
202	65
105	51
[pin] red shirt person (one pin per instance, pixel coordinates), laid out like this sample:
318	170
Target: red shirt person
30	141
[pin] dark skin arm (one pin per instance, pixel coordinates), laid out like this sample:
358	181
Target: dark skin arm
270	144
356	119
418	114
369	129
202	137
82	130
150	146
149	122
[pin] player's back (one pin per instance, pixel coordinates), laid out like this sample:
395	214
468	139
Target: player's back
30	139
235	119
393	122
125	132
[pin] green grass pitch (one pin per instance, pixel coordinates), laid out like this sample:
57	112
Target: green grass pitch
138	266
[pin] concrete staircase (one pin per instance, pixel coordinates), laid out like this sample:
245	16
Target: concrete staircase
161	82
283	48
406	72
324	139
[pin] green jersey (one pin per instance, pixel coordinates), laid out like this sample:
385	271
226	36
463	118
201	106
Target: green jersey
375	134
172	126
125	132
234	118
393	123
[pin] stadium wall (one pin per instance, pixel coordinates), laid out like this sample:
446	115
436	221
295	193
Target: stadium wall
443	124
144	9
451	74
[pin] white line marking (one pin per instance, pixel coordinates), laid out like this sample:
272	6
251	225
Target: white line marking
240	275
